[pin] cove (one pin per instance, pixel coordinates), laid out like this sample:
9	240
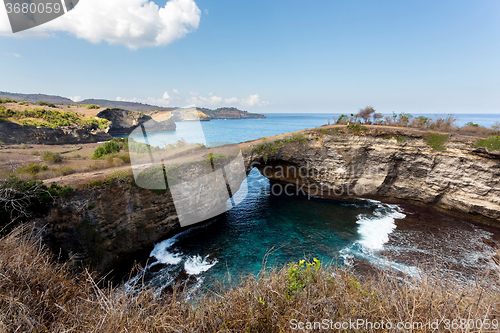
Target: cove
277	229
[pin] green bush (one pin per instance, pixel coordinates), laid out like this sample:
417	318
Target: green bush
492	143
111	147
50	105
99	152
436	140
50	157
92	107
7	100
356	127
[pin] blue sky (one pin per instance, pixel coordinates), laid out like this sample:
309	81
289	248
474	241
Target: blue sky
278	56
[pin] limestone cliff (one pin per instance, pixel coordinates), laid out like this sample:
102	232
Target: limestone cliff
108	225
124	121
383	162
15	134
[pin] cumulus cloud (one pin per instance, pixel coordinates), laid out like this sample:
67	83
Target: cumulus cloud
216	101
195	99
150	100
76	98
133	23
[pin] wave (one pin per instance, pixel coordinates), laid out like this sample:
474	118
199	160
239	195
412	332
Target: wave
196	265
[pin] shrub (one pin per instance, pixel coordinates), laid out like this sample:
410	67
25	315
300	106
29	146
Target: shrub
99	153
7	100
492	143
436	140
23	103
50	157
64	171
111	147
50	105
92	107
31	168
356	127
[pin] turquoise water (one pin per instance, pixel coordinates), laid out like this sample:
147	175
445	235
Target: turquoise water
277	228
236	130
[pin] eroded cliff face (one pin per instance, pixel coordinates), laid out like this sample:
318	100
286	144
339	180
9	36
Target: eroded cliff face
109	225
124	121
378	162
14	134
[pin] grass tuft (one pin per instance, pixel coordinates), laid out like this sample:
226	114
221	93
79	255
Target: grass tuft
436	140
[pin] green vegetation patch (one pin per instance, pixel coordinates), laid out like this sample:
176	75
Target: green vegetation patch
92	107
50	157
492	143
111	147
436	140
356	128
300	274
51	118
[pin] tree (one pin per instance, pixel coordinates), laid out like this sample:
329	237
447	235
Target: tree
366	113
377	118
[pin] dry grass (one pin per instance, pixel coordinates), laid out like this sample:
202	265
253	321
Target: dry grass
37	295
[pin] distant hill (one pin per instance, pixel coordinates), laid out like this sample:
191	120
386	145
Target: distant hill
104	103
229	113
35	98
220	113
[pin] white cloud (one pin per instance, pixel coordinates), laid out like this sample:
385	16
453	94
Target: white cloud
232	100
76	98
150	100
133	23
195	99
17	55
216	101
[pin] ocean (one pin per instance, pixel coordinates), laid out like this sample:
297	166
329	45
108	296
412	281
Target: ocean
240	130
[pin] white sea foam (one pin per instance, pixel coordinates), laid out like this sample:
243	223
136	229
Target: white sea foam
164	256
374	230
196	265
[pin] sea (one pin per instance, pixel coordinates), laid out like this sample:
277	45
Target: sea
267	229
240	130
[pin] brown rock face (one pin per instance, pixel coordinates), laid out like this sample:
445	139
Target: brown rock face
15	133
462	177
124	121
109	227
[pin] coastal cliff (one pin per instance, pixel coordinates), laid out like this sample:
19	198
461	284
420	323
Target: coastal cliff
13	133
124	121
378	162
107	225
117	221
